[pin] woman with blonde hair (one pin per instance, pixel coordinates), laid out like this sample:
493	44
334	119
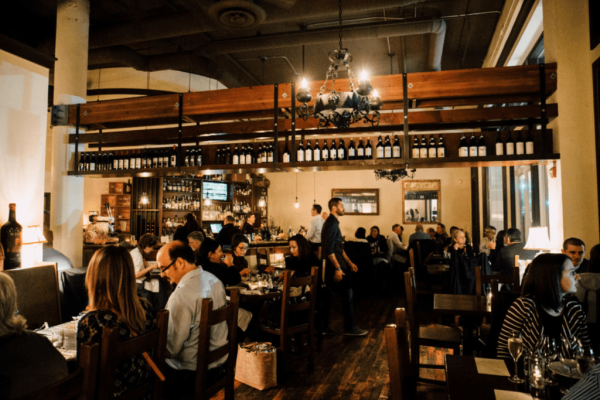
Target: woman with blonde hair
114	302
31	362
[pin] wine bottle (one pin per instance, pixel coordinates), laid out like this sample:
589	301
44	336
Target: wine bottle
121	161
416	152
510	145
128	187
286	152
473	146
186	158
249	154
300	152
432	147
132	160
333	153
82	162
308	154
125	162
173	162
317	151
111	161
379	148
11	238
227	159
463	149
482	149
441	149
342	150
520	147
529	144
236	155
499	145
368	150
396	149
325	151
351	150
360	150
270	153
199	157
423	151
243	155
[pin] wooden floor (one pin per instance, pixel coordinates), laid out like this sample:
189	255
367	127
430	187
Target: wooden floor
350	368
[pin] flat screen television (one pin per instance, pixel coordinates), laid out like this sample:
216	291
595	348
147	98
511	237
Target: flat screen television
218	191
216	227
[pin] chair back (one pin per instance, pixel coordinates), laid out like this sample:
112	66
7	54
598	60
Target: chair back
424	248
38	298
501	302
262	258
208	319
481	280
396	339
113	351
411	321
411	256
79	385
288	307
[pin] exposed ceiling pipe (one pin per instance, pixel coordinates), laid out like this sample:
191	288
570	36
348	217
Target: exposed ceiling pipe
192	22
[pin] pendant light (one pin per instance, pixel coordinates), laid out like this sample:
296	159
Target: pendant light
297	203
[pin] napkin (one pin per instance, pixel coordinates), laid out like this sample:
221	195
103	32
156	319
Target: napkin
508	395
489	366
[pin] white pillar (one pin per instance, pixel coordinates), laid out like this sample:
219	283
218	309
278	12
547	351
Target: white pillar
70	86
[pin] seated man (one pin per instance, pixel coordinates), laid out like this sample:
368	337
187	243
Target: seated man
176	262
575	249
418	235
50	254
396	250
513	247
442	239
195	239
227	232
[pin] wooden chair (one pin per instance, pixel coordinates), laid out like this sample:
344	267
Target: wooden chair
113	351
38	298
321	288
285	331
402	384
208	319
422	287
513	280
501	302
80	385
432	335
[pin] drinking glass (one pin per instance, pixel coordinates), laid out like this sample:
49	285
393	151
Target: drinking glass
571	364
550	351
515	348
585	360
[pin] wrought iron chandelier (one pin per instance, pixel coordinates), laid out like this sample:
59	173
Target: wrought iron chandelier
341	109
394	175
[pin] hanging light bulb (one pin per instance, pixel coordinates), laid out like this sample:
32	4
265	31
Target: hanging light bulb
297	203
261	202
144	199
207	201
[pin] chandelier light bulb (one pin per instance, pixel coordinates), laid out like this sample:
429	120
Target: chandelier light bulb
304	84
297	203
364	76
375	93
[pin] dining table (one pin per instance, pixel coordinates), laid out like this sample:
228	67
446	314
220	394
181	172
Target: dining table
437	264
64	338
487	379
467	306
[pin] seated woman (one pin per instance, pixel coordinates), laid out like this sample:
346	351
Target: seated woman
378	243
360	235
462	268
239	245
30	361
146	288
114	302
210	260
302	259
545	307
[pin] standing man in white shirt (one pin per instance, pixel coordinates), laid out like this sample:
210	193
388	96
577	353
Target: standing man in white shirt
313	235
176	261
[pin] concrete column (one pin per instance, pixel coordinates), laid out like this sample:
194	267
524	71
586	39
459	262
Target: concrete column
70	86
566	41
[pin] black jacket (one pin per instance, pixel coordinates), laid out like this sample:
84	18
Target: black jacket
228	275
506	257
226	234
379	244
301	267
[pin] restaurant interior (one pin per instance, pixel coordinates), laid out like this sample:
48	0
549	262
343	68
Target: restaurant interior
120	118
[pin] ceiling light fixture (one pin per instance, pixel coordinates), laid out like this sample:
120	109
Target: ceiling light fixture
394	175
297	203
341	109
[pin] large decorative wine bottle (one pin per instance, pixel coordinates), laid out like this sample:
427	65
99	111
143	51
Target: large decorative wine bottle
11	237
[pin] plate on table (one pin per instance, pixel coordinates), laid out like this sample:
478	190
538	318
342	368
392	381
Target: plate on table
559	368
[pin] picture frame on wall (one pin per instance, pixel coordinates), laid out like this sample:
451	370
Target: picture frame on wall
358	201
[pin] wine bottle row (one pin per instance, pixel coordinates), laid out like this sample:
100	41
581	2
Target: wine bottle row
476	147
138	159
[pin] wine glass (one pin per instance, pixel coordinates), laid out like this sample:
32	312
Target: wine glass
515	348
571	365
550	352
585	360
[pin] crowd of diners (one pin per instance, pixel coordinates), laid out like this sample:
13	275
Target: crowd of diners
552	301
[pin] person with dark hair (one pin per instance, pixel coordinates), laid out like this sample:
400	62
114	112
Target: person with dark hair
575	249
337	266
191	225
545	307
594	263
302	259
378	243
247	226
114	302
228	231
210	259
176	262
315	227
361	235
239	247
146	288
441	238
505	261
431	233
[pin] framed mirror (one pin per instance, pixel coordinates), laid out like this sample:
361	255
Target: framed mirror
358	201
421	202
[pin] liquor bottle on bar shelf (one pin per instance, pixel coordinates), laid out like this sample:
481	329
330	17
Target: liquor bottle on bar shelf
325	151
441	149
128	187
286	152
416	152
317	151
132	157
432	147
11	238
236	156
244	155
360	150
300	152
308	153
351	150
463	149
473	146
379	149
368	150
499	145
529	143
333	153
520	146
173	162
342	150
510	145
270	153
250	157
482	148
423	151
396	149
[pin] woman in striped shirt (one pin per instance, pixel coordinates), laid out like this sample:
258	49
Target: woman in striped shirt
544	309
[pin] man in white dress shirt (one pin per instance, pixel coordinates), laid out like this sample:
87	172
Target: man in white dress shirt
313	235
397	251
176	261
